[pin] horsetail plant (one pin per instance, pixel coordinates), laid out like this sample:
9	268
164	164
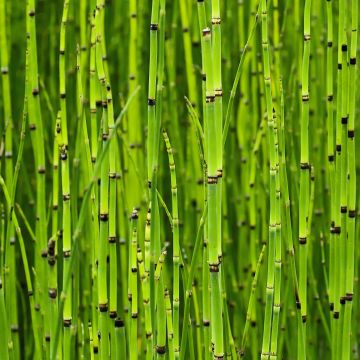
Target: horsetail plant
83	247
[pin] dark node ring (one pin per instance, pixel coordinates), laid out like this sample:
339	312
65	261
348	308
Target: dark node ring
304	166
67	253
210	98
62	96
353	61
44	253
351	133
154	27
212	179
103	307
35	91
67	322
119	323
303	318
214	267
349	296
305	97
338	148
206	32
151	102
352	213
216	21
104	217
112	239
112	314
134	215
343	209
51	261
96	349
52	293
330	97
344	120
336	230
331	157
161	349
218	92
302	241
32	13
343	47
14	328
206	323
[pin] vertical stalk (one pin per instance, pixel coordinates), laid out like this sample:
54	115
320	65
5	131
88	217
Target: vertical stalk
37	135
133	286
304	178
10	279
65	180
213	212
268	318
176	246
351	183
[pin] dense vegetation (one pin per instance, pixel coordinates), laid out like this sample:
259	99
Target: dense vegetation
178	179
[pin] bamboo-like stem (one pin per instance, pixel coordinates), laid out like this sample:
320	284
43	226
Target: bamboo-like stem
134	119
339	166
104	188
176	246
169	324
62	139
212	198
29	286
330	142
304	178
10	278
145	288
271	126
351	184
133	285
52	250
37	135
